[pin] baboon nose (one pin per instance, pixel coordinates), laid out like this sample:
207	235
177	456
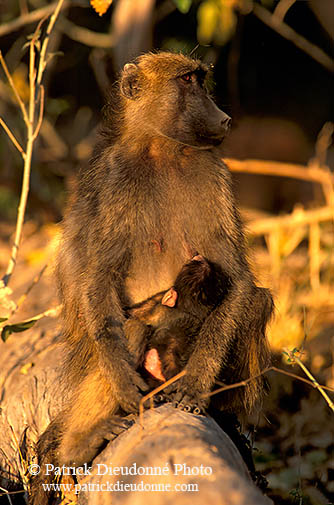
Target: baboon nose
226	122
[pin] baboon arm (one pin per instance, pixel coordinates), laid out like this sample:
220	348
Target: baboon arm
225	339
104	320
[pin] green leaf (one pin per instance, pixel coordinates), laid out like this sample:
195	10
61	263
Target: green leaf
2	319
183	5
16	328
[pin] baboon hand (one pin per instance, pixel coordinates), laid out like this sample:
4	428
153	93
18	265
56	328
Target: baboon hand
117	425
131	391
188	395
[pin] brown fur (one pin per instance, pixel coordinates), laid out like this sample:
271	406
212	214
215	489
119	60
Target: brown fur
168	324
156	178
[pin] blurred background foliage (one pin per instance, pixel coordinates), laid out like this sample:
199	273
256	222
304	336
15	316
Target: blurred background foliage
279	97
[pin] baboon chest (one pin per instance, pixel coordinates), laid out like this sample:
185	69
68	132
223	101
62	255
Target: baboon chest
181	227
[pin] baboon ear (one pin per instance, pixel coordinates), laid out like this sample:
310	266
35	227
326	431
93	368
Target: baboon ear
130	81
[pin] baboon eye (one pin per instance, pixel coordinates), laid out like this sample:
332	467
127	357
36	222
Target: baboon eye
186	77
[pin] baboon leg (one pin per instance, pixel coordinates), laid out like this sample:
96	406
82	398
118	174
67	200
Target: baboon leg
46	451
89	420
82	446
78	433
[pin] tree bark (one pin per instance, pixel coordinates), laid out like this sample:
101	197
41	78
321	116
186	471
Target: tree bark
192	460
174	458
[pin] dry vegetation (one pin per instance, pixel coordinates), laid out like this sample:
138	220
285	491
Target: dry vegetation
293	442
293	254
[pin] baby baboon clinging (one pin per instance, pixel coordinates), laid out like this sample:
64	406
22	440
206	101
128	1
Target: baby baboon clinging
162	331
156	193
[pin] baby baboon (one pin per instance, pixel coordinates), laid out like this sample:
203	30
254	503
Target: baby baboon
162	331
156	193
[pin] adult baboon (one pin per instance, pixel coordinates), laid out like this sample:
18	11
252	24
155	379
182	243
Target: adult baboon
156	194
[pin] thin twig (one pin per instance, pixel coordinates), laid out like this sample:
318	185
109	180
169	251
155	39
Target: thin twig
23	297
264	371
10	493
288	33
313	380
27	161
42	61
47	313
48	132
41	112
16	93
155	391
54	312
242	383
294	376
85	36
30	18
35	77
12	138
6	493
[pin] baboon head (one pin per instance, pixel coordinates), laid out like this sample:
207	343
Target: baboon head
166	94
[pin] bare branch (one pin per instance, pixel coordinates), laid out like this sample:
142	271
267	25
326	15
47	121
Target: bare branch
297	218
280	169
274	22
30	18
16	93
157	390
41	112
314	172
23	297
282	8
314	382
42	60
27	161
226	387
35	77
85	36
12	138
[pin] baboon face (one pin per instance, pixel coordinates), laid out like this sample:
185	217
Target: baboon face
166	94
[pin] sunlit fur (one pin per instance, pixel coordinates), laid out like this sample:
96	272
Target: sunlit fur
155	193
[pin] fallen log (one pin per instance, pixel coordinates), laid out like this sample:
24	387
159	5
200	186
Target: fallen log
174	457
